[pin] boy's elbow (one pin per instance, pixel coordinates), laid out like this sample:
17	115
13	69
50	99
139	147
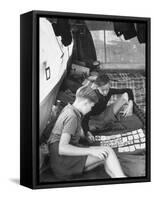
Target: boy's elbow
61	150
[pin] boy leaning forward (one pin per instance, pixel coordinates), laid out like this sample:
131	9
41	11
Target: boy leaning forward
67	157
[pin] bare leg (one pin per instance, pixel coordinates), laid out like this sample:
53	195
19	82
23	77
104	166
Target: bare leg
111	163
120	102
91	165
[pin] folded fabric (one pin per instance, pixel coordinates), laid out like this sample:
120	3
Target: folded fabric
125	29
62	28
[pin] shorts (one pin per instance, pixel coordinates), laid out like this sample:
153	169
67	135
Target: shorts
65	167
132	165
103	119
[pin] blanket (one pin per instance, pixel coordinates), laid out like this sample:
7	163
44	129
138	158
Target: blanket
134	81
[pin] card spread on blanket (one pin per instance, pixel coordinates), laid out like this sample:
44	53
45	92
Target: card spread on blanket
125	142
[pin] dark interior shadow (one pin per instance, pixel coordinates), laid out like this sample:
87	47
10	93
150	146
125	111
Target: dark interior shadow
15	180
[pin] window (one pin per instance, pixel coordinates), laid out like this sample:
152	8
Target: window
111	49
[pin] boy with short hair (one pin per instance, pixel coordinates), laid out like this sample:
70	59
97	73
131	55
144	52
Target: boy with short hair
67	158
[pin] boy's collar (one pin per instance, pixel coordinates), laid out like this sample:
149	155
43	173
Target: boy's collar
98	92
76	111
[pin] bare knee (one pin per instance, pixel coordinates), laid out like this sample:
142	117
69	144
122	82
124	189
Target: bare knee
91	160
125	97
109	150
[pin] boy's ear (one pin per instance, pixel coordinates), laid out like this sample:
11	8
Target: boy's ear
86	101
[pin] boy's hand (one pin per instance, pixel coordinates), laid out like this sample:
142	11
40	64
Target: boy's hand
90	137
129	109
100	152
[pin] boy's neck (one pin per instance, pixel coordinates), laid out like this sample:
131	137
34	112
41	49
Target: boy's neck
78	106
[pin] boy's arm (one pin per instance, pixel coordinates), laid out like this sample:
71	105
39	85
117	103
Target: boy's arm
121	91
69	150
69	129
65	148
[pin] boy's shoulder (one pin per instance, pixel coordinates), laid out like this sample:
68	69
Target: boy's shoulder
69	111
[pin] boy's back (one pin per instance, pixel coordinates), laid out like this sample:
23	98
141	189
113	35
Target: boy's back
69	121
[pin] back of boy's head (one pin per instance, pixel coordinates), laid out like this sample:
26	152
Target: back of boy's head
86	92
102	79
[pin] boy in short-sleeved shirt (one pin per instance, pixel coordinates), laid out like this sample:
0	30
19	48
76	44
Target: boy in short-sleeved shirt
68	122
67	158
